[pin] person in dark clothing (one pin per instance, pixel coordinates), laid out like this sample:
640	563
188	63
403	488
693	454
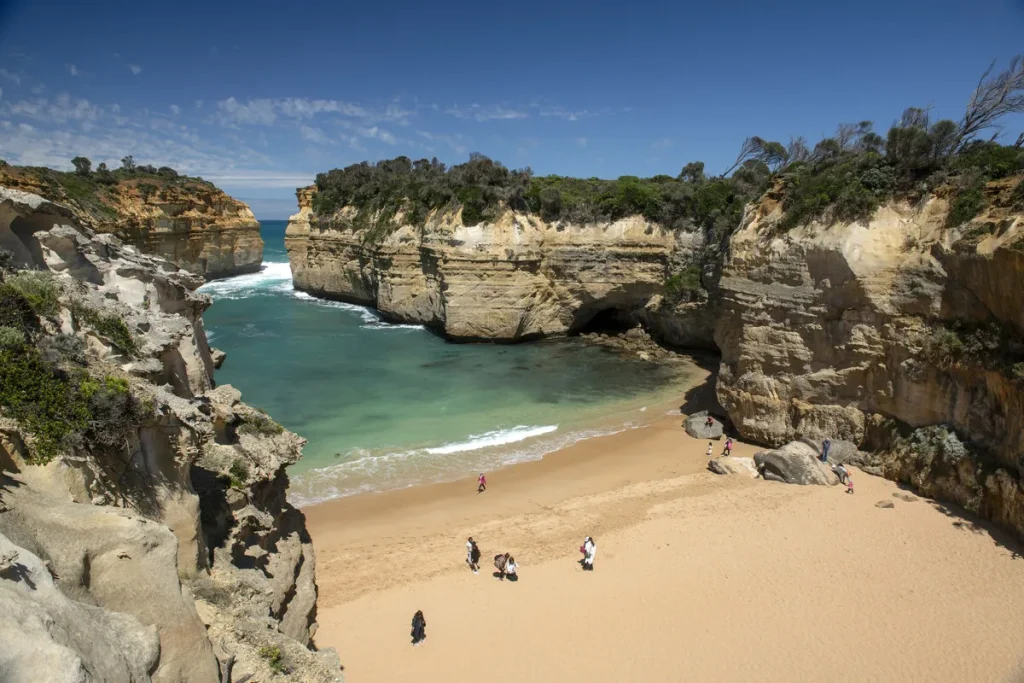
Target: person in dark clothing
419	628
824	449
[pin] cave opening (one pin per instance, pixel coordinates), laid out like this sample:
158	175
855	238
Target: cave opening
607	321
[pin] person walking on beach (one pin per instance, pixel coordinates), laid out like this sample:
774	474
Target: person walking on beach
481	483
419	628
511	568
499	563
711	450
473	555
825	445
589	549
728	446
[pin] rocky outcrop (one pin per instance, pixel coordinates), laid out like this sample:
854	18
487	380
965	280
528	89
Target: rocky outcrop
187	221
696	425
866	331
517	279
164	549
794	463
729	464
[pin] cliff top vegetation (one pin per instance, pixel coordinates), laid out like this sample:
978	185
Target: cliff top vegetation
843	177
98	192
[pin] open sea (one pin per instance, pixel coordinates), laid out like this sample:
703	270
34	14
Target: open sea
388	406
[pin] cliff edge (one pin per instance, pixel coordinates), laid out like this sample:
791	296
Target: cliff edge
144	530
187	221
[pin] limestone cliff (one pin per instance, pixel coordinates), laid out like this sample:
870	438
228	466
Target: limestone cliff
144	530
516	279
187	221
881	332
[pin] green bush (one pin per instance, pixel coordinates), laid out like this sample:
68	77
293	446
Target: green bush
109	326
1017	197
16	311
990	159
11	338
966	205
685	285
238	474
259	423
272	655
959	345
39	289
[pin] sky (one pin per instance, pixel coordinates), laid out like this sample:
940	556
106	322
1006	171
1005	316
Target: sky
260	96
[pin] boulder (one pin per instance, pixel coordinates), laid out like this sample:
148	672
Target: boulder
696	426
728	464
886	504
904	496
795	463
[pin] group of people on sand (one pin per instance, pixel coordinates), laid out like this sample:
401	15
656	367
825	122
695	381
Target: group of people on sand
726	450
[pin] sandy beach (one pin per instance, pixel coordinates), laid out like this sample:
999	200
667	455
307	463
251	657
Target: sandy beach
698	577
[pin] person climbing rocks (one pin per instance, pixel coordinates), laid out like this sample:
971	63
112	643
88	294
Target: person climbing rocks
728	446
481	483
589	549
419	628
511	568
710	422
500	561
473	555
711	450
825	445
844	476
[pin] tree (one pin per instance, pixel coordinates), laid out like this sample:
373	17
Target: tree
104	176
82	165
693	172
128	163
748	150
797	149
995	97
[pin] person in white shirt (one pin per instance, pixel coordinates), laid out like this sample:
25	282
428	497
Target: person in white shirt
589	550
711	450
511	568
472	555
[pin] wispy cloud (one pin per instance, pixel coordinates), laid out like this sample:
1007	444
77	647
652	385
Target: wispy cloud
261	179
58	110
662	143
494	112
72	69
175	109
313	134
135	69
9	76
456	142
581	142
567	114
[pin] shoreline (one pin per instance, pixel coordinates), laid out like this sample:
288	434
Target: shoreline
698	576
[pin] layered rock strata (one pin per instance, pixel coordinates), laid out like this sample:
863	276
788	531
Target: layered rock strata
171	554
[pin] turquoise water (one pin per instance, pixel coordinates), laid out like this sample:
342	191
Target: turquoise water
387	406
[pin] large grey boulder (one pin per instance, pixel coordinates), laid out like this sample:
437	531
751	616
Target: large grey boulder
47	636
697	427
840	452
795	463
728	464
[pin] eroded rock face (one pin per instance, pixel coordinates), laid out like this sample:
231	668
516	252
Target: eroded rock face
178	542
823	330
794	463
517	279
192	223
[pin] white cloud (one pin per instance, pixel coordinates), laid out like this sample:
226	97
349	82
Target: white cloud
59	110
456	142
662	143
567	114
313	134
12	77
72	69
135	69
175	109
199	104
486	113
582	142
261	179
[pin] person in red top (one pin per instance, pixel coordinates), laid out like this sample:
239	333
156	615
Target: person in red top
481	482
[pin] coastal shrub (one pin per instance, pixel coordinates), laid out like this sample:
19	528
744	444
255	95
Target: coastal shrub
966	205
989	159
684	285
62	348
44	399
6	261
39	289
238	474
11	338
109	326
274	659
16	311
262	424
992	346
115	413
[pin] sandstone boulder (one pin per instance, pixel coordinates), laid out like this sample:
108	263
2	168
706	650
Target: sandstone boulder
696	426
795	463
728	464
885	504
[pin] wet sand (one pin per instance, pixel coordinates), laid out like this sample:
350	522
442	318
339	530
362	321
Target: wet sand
698	577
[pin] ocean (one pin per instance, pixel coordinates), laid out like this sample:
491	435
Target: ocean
388	406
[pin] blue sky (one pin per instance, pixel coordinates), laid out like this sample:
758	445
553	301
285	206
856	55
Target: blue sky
260	96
